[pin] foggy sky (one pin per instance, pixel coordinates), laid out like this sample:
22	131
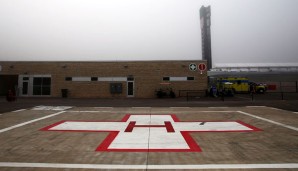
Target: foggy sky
253	31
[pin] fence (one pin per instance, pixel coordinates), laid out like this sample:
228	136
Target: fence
282	86
193	94
269	96
275	91
183	93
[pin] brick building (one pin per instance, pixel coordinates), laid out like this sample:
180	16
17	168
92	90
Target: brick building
139	79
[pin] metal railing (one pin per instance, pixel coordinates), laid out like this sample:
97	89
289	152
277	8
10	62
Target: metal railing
183	93
195	94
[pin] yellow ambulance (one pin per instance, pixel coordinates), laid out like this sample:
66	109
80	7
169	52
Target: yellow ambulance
240	85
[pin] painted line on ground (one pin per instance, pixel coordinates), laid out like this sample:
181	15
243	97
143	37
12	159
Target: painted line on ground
270	121
28	122
20	110
85	111
140	107
150	167
104	107
55	108
227	166
213	111
256	106
179	107
245	98
295	112
218	107
89	111
274	108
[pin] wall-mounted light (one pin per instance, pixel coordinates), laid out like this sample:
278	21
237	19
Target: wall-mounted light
130	78
64	66
11	66
125	66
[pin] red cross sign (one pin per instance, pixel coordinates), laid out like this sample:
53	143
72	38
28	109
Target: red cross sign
150	133
202	67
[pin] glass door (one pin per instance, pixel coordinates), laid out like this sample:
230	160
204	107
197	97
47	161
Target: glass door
25	86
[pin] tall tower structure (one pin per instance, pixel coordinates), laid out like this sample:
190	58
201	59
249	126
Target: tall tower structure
205	13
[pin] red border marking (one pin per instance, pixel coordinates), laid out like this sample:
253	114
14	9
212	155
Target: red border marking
125	118
175	118
249	126
52	125
193	145
107	141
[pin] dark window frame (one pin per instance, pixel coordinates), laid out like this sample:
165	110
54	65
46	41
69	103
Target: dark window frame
94	78
68	78
190	78
116	88
166	78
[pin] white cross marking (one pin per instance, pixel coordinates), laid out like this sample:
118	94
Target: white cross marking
193	67
154	133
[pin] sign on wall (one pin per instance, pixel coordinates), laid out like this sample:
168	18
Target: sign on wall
202	67
192	67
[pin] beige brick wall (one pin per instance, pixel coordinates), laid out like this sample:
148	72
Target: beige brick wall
147	76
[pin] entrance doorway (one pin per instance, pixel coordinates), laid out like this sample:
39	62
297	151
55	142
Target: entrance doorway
130	89
8	82
35	85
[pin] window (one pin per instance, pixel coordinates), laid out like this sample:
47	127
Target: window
116	88
94	78
42	86
190	78
166	79
68	78
130	78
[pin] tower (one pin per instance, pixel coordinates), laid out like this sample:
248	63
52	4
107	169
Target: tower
205	13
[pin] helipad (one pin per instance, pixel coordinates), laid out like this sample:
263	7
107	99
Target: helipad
148	138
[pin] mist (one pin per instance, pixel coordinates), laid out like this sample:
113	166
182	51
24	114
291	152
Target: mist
246	31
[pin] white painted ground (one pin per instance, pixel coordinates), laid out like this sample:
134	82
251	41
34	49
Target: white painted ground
150	131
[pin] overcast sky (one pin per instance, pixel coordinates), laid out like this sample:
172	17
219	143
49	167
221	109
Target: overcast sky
243	31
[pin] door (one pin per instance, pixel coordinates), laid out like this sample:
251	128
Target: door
130	89
8	82
25	86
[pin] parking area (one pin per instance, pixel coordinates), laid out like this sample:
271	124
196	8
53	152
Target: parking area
149	138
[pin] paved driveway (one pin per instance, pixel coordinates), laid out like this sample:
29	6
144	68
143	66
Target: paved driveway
146	138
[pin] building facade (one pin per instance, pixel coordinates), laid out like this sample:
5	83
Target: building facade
205	14
139	79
